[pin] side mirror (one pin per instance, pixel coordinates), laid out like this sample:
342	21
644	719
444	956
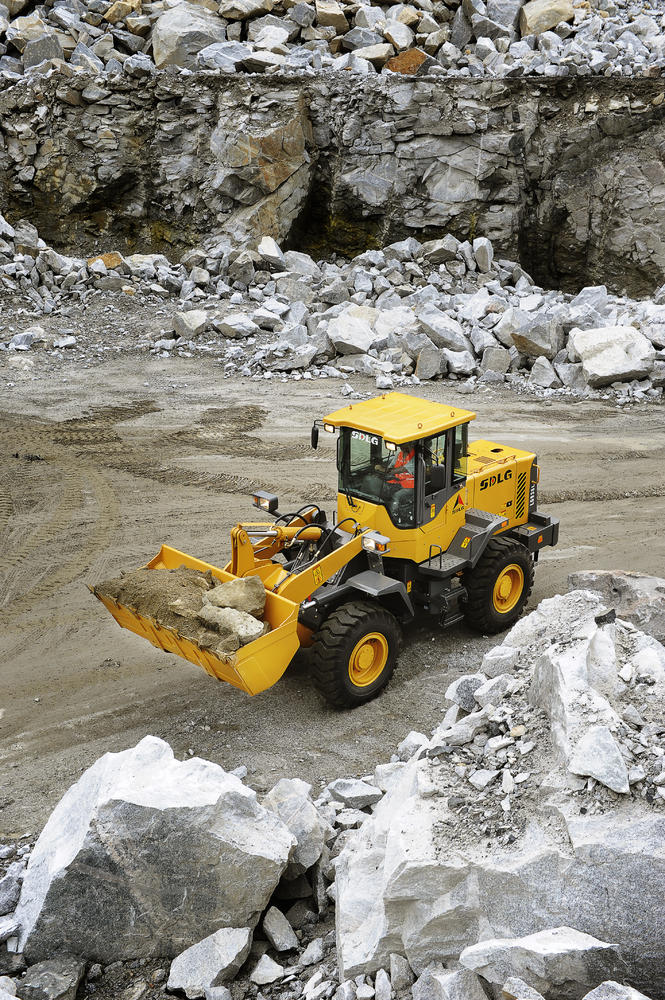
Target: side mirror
315	437
438	478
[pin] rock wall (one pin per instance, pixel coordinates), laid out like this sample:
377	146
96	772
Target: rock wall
567	175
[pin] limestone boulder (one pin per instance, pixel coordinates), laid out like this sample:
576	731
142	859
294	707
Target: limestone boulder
350	334
541	15
140	838
181	32
611	354
559	960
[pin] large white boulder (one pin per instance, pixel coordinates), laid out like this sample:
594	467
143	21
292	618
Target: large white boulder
611	354
418	877
181	32
559	960
146	855
351	334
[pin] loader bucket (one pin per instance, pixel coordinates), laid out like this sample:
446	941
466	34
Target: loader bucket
253	667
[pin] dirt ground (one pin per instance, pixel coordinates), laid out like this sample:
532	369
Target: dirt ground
101	465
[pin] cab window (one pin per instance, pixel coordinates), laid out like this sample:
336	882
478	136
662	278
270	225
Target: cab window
461	448
434	454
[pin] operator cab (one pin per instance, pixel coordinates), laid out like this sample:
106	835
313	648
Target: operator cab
406	455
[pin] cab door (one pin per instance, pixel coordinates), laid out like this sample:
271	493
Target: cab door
444	493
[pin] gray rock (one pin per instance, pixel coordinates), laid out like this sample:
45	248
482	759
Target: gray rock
598	756
483	253
354	792
279	931
181	32
611	990
611	354
541	15
236	326
313	953
210	962
430	362
543	374
291	800
267	971
436	983
270	253
190	324
540	334
40	49
462	690
301	263
10	889
440	251
495	359
53	979
515	988
401	975
560	959
186	835
218	993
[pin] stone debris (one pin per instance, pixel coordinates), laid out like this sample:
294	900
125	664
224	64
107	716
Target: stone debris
391	315
500	779
210	962
556	960
475	40
214	855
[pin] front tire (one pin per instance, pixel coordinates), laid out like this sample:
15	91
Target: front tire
499	587
354	653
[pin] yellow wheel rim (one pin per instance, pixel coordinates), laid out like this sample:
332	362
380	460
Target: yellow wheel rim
508	588
368	659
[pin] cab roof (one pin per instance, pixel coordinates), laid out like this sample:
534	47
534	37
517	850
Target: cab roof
399	418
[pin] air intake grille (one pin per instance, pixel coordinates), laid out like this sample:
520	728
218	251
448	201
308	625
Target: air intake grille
521	495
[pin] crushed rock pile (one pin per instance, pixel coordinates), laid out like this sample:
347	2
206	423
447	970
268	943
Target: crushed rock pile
217	616
515	854
410	312
471	38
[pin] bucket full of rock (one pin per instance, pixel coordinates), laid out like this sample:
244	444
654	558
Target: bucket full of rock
231	626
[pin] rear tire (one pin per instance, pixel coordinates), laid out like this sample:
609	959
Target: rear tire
354	653
499	587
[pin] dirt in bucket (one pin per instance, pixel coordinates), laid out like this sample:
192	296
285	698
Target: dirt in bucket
172	597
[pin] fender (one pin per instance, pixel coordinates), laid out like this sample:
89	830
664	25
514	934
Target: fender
391	593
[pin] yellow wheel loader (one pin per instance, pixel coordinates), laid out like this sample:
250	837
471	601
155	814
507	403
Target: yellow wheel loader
426	521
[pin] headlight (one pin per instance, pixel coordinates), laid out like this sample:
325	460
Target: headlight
266	501
374	542
391	446
330	428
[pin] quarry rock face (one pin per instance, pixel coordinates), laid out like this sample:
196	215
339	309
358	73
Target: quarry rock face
268	156
146	855
418	877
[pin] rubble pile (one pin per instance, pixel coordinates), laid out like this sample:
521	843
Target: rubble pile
413	311
471	38
515	854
